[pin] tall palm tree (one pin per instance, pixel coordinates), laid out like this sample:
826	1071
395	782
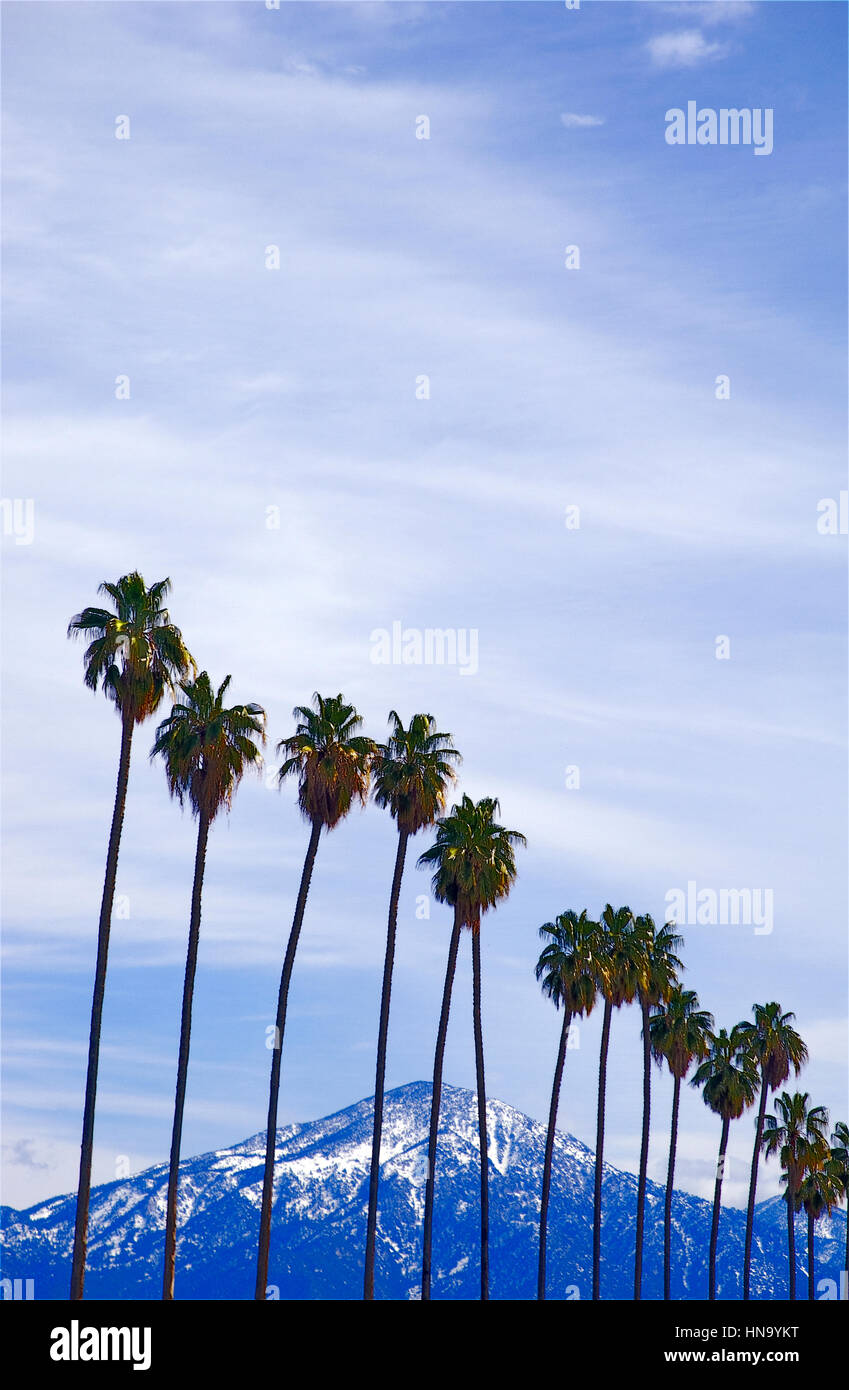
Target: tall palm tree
840	1157
729	1078
474	867
819	1192
658	978
134	653
207	749
796	1134
412	772
569	968
622	949
333	765
679	1032
777	1047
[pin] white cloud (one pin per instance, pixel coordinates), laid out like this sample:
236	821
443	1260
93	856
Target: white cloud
573	121
684	49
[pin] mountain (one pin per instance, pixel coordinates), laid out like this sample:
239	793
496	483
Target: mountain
320	1212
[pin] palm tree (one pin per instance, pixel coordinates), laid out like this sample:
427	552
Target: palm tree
474	868
796	1133
412	772
819	1192
134	654
658	978
622	951
569	969
777	1048
206	749
333	765
840	1157
729	1076
679	1032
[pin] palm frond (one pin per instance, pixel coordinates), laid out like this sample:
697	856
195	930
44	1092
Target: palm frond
473	858
135	654
207	747
332	762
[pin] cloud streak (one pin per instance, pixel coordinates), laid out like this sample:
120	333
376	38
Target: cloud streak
685	48
572	121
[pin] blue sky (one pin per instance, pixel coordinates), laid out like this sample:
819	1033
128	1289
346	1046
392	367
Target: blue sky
295	389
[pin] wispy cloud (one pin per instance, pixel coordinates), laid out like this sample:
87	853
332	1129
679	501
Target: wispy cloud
684	49
23	1154
573	121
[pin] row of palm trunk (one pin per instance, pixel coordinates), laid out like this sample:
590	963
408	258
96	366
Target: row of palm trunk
136	655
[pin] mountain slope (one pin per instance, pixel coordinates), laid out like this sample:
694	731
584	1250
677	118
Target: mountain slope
320	1211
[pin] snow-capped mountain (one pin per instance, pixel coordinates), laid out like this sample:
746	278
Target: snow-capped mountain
320	1210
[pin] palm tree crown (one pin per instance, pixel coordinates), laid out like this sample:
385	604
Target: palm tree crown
332	762
840	1141
571	963
820	1189
473	858
776	1045
623	952
840	1154
659	975
412	771
135	652
728	1074
680	1030
796	1133
206	747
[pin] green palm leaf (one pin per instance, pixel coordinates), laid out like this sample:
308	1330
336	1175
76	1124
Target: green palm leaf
331	761
473	859
206	747
134	653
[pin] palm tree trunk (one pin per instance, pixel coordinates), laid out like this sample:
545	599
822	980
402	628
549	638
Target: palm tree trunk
482	1130
753	1182
436	1097
846	1257
599	1148
644	1153
811	1256
87	1145
717	1195
383	1032
274	1088
549	1151
791	1248
667	1205
183	1062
